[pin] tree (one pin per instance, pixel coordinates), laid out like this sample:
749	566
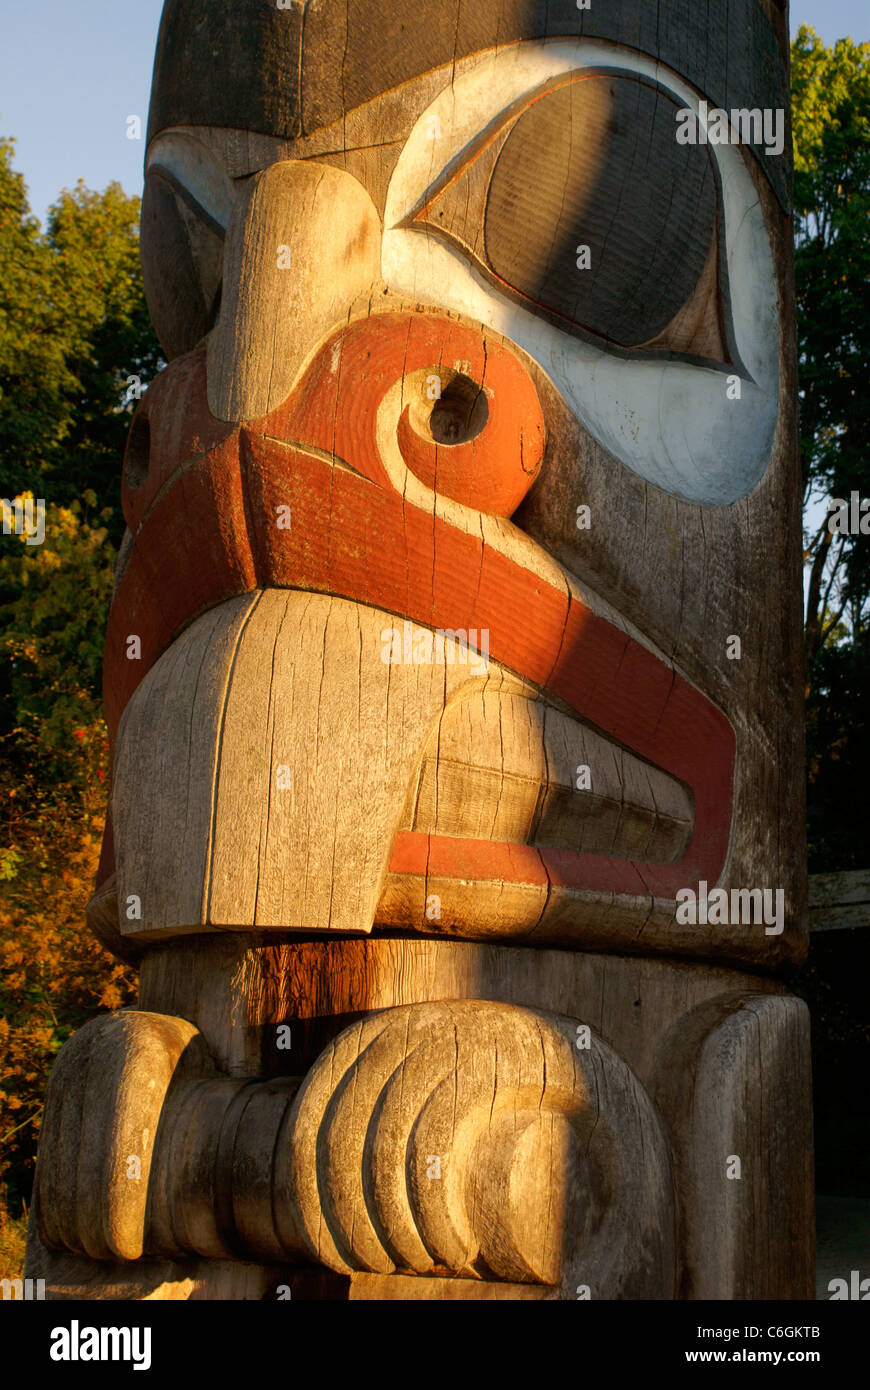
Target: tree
831	111
831	105
53	779
831	102
35	384
73	327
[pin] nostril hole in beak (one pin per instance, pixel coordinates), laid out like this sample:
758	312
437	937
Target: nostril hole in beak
138	453
460	413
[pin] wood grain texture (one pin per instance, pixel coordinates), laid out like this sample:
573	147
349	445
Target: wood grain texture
73	1278
103	1110
556	638
505	768
693	1035
265	70
399	1288
738	573
274	280
334	849
245	1166
251	746
839	901
104	920
734	1084
240	840
237	988
469	1139
163	785
182	267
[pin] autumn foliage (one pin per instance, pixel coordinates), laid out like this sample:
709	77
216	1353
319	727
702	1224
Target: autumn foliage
53	784
73	330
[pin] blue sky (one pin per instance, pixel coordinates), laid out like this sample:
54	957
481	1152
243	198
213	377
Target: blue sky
71	74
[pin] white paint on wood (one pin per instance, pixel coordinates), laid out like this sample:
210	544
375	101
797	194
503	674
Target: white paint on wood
195	168
670	422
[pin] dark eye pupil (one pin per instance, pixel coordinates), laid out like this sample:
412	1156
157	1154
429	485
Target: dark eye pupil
593	163
597	164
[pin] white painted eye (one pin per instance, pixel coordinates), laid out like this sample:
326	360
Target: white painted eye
701	429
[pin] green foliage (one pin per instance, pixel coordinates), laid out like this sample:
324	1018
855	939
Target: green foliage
53	781
73	326
53	603
824	81
35	384
831	92
831	89
9	861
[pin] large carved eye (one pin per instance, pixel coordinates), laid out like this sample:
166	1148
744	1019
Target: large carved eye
667	347
579	203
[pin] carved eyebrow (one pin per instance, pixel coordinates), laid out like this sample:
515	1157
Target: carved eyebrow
490	132
194	173
189	198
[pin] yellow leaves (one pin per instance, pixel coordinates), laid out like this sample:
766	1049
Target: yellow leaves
53	975
13	1235
112	997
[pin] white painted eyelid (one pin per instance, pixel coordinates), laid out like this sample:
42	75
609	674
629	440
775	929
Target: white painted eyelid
671	422
196	169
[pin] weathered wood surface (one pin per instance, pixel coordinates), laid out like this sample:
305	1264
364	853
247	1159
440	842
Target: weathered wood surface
237	988
742	1182
281	751
472	1137
273	275
210	62
448	381
839	901
271	1167
103	1110
580	661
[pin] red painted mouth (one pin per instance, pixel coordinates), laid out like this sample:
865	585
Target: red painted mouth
202	499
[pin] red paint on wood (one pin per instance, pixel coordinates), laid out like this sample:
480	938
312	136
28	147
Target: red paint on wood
181	428
214	533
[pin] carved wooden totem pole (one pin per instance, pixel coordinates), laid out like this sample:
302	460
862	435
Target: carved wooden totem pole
453	673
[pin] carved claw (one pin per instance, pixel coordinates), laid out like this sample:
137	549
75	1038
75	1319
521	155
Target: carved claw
466	1139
